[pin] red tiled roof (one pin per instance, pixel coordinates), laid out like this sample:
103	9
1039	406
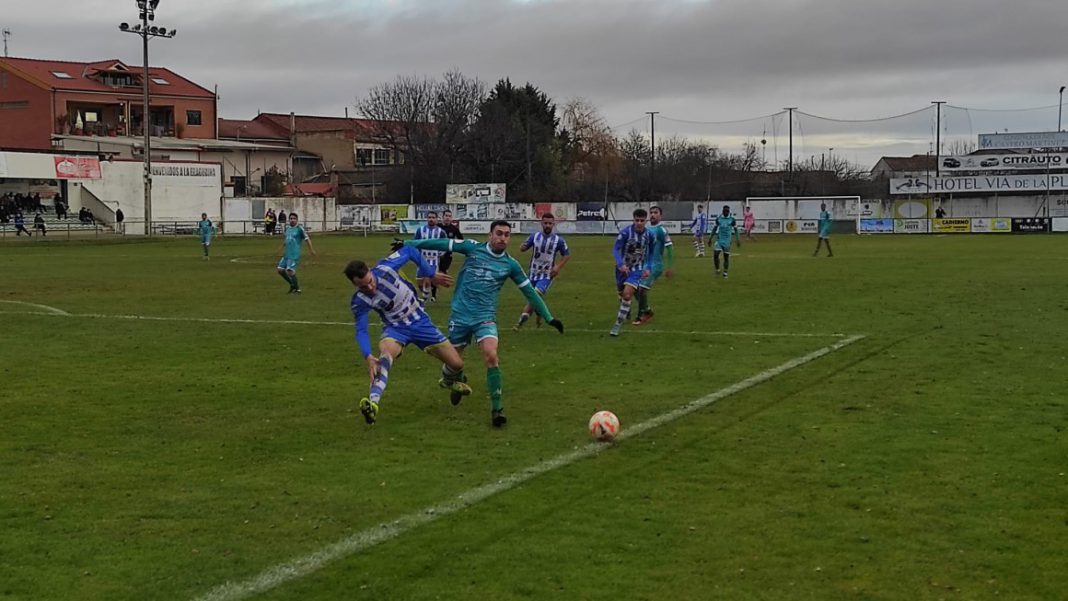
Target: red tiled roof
311	124
41	72
239	129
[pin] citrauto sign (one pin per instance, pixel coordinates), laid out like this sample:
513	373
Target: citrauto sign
1004	162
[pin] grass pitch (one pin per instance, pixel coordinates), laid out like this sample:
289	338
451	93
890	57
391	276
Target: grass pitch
162	458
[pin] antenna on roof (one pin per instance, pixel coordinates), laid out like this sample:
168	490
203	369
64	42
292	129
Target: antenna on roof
7	34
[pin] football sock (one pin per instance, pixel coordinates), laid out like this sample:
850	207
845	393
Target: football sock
493	384
205	250
449	376
293	280
643	301
715	259
523	319
379	385
726	262
624	311
285	276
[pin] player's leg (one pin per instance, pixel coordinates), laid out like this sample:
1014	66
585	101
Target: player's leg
292	273
283	270
624	306
388	350
715	258
726	261
452	371
487	343
827	241
523	317
819	242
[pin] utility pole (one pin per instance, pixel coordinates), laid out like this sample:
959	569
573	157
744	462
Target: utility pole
790	161
652	147
1060	98
147	10
938	138
7	34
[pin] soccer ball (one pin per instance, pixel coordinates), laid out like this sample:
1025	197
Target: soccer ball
604	426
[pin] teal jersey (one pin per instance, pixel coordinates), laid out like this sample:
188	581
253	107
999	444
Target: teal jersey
205	228
661	240
480	281
295	237
724	229
825	224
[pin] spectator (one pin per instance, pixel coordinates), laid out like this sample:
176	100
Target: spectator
39	224
89	217
37	206
20	225
61	208
268	222
81	214
119	218
940	213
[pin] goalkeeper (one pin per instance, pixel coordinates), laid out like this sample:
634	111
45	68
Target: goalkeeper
474	302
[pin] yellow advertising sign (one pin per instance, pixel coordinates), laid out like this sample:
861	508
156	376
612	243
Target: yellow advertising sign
957	225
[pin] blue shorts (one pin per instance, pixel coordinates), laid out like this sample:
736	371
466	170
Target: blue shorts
654	274
542	285
722	246
634	279
461	334
288	264
423	334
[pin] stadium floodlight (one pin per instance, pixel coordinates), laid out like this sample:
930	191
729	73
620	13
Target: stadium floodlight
153	4
124	26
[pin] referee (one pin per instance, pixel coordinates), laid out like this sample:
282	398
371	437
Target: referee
452	232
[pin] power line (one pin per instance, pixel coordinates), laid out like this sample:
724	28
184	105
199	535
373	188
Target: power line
1036	108
731	122
875	120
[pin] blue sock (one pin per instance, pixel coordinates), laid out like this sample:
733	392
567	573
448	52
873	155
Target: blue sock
379	385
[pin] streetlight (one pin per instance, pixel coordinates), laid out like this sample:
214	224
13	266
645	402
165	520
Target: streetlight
147	10
1060	107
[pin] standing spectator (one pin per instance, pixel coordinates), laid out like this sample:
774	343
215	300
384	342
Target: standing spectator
37	206
61	208
39	224
269	221
452	232
282	218
20	225
940	213
119	219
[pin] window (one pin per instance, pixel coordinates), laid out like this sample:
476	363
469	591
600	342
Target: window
161	81
62	74
381	156
193	118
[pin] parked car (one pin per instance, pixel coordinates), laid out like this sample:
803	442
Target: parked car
991	162
950	163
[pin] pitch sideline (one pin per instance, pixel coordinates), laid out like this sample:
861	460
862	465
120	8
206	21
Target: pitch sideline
302	566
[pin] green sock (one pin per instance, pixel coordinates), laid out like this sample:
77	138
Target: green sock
285	276
493	384
643	302
293	279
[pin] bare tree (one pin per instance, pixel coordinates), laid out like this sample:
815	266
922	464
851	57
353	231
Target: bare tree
959	147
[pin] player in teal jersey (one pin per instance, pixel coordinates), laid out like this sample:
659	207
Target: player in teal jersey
474	303
661	245
724	226
825	231
292	244
206	230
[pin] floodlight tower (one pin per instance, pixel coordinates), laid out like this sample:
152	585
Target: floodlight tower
147	10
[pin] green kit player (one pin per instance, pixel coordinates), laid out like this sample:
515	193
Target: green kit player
292	244
474	303
206	230
725	225
661	245
825	231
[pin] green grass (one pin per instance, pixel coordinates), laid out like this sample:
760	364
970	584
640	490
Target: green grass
160	459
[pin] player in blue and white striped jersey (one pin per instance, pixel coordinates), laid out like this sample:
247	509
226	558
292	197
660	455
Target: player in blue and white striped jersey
631	250
699	226
543	266
384	290
431	231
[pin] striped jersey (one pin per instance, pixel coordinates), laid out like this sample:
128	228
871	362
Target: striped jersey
632	247
545	249
394	298
700	224
427	232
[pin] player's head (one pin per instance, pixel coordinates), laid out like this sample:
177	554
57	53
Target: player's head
700	209
548	222
654	215
203	215
432	218
499	235
360	275
446	217
293	219
640	216
726	210
823	206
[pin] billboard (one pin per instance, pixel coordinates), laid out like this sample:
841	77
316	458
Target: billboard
980	183
78	167
591	211
390	214
801	226
955	225
188	175
1002	162
912	226
876	226
991	225
1030	225
480	193
422	210
1022	140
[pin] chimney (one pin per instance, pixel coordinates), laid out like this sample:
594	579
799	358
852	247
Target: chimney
346	112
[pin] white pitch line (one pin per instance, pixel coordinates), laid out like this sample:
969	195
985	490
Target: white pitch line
302	566
46	309
298	322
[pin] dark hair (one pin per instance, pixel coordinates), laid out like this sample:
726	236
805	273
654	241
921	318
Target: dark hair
446	211
500	222
548	215
356	270
700	206
640	213
292	214
429	213
655	208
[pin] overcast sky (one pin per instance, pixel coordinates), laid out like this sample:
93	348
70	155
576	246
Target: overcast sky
692	60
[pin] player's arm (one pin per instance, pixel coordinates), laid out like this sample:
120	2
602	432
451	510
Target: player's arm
529	242
533	297
362	313
669	250
444	245
617	251
565	256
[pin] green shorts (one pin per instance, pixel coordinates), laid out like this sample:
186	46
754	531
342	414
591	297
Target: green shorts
654	274
461	334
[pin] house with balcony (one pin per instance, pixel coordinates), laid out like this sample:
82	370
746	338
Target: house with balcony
42	99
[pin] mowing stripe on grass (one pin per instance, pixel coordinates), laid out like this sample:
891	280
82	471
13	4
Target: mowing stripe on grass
308	564
51	312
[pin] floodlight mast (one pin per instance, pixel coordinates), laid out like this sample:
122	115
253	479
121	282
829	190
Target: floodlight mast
147	10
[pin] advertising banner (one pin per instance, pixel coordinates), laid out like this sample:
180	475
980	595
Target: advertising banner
353	215
422	210
541	208
481	193
980	183
1030	225
774	226
991	225
956	225
472	211
78	167
876	226
1023	140
187	175
865	208
911	226
390	214
591	211
995	162
1060	224
801	226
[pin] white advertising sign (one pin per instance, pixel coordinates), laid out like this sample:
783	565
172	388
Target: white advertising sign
190	175
1033	139
979	183
1005	162
912	226
991	225
481	193
1060	224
